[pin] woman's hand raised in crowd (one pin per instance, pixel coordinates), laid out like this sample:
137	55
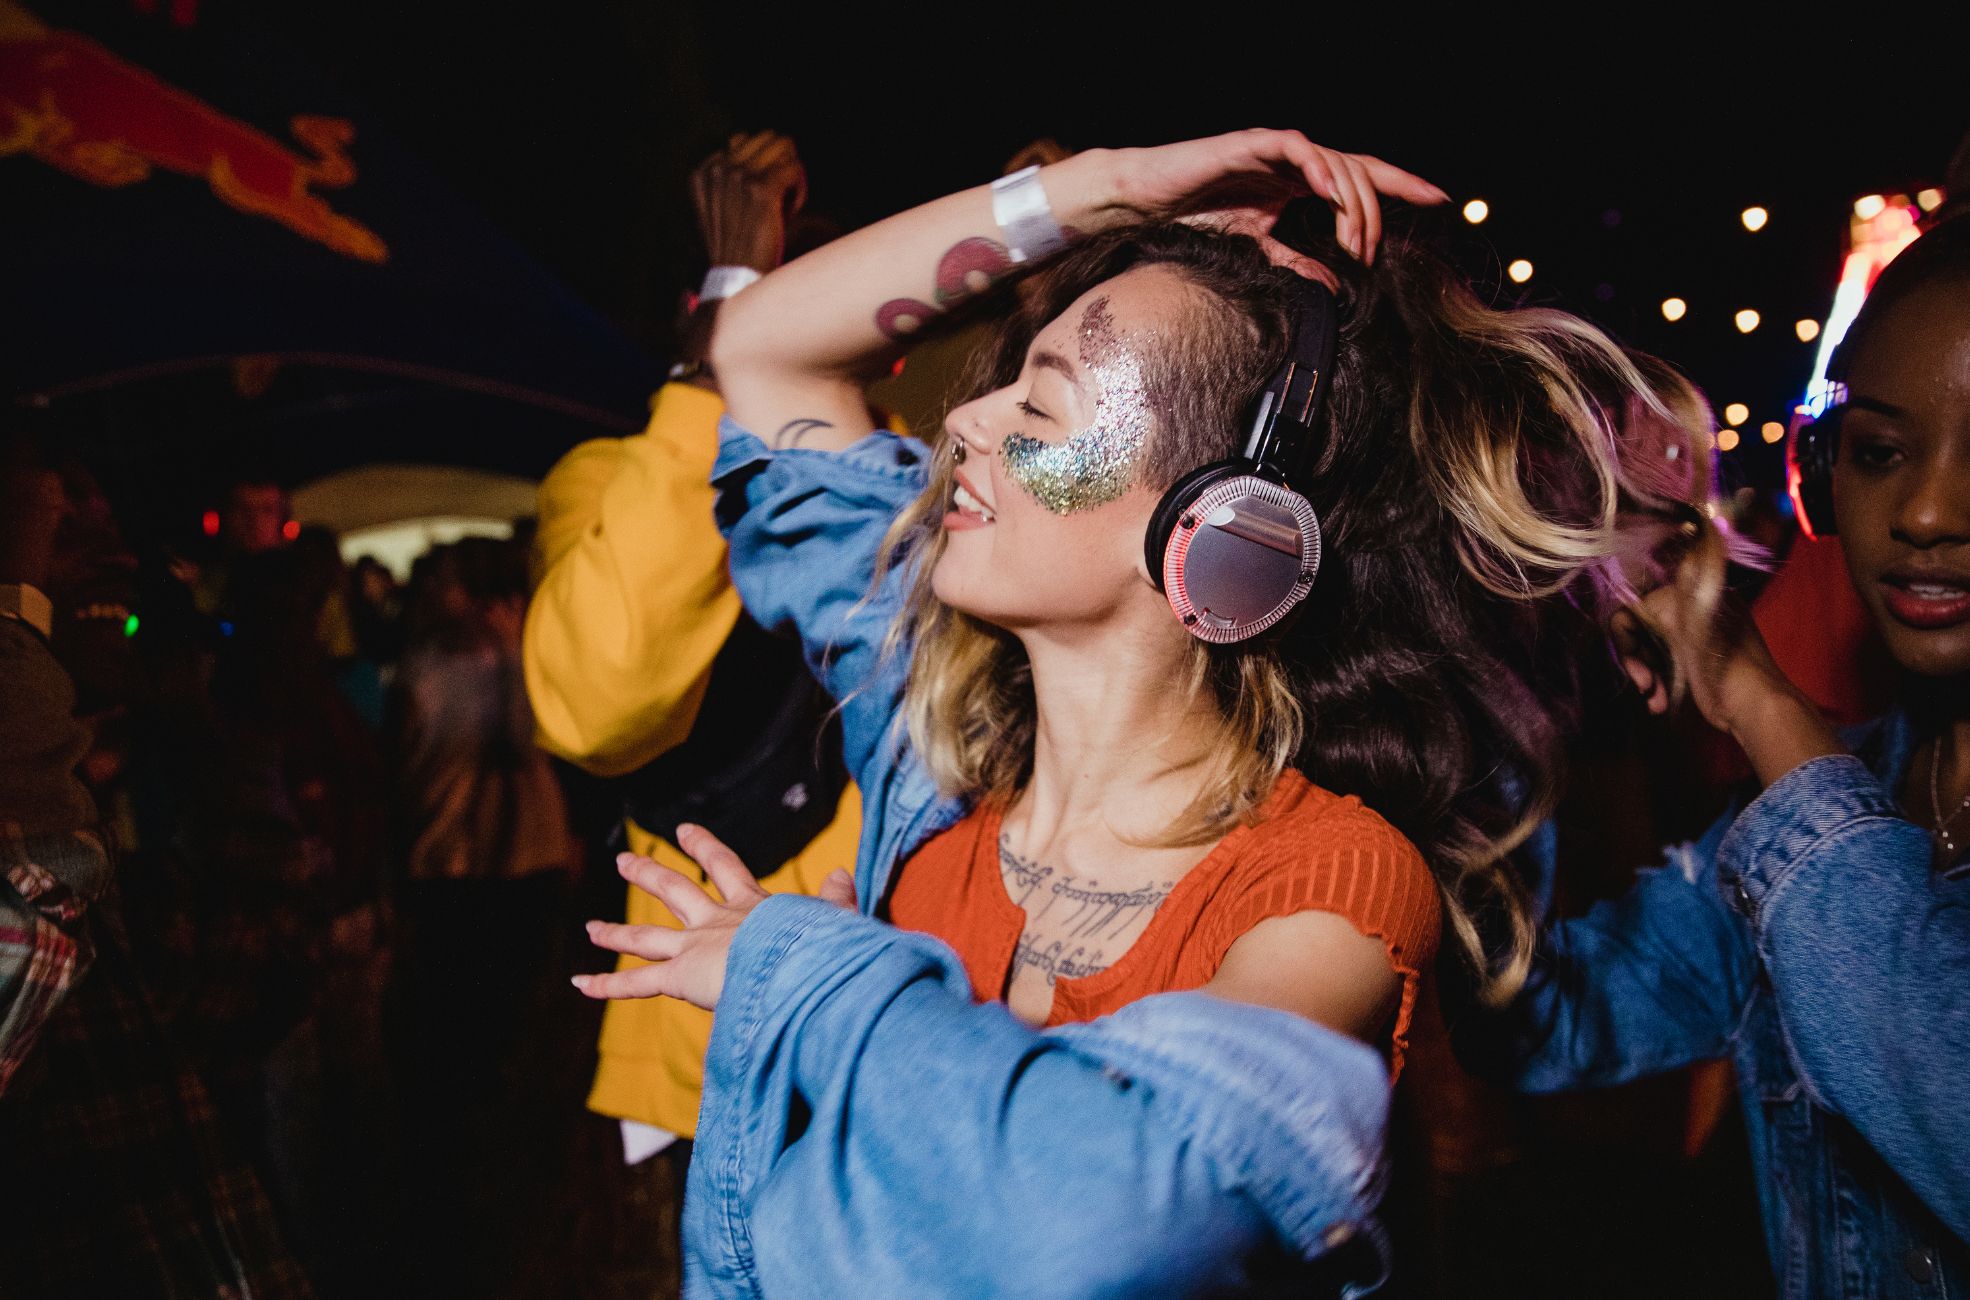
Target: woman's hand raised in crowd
1241	181
1725	665
687	963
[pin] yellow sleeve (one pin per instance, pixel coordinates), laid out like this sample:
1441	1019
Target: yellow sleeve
633	602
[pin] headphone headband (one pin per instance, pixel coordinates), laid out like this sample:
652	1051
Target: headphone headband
1288	407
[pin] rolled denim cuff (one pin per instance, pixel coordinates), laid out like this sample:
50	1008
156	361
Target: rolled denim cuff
1796	814
879	455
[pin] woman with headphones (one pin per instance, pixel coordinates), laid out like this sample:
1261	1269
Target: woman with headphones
1182	663
1819	936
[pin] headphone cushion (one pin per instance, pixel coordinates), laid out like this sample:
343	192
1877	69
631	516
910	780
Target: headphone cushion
1811	456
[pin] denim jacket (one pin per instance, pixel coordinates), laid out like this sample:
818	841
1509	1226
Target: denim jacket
868	1130
1808	938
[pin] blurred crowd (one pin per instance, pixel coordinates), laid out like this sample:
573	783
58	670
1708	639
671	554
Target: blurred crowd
322	999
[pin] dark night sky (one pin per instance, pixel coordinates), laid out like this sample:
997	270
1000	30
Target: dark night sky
1616	158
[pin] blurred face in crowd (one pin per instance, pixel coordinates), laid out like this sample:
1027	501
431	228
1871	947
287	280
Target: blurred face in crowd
1047	510
254	518
1902	483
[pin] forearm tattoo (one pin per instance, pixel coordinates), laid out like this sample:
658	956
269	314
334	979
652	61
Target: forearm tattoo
968	268
1092	927
794	432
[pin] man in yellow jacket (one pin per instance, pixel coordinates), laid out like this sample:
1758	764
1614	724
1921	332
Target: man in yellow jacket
632	609
631	612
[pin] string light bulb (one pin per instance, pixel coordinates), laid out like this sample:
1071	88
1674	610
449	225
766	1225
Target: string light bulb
1673	309
1520	271
1747	320
1771	431
1476	211
1869	206
1754	218
1929	200
1736	413
1807	330
1727	440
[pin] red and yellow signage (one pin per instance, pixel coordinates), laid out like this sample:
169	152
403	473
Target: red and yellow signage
69	102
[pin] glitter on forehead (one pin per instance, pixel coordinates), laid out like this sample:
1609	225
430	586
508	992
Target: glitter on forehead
1096	465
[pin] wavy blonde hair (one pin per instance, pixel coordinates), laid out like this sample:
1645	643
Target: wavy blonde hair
1490	485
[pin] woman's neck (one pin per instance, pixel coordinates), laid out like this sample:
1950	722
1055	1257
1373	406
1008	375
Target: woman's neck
1939	779
1119	743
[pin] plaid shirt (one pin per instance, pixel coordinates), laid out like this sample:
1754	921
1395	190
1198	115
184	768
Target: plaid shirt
51	860
126	1187
42	949
119	1181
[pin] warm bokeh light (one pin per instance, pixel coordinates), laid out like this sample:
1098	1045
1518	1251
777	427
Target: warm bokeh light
1869	206
1754	218
1747	320
1727	440
1736	413
1476	211
1807	330
1929	200
1771	431
1520	271
1673	308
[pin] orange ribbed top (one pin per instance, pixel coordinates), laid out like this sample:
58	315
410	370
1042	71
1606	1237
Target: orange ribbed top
1310	851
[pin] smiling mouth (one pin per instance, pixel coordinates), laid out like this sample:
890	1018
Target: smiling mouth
1927	602
968	505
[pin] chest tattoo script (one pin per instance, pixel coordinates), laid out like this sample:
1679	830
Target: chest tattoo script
1074	927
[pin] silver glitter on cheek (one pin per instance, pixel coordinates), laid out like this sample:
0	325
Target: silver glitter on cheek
1096	465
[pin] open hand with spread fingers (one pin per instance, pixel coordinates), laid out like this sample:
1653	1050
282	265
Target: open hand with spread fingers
1241	181
687	963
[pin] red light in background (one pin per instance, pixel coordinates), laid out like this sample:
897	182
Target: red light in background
291	529
210	523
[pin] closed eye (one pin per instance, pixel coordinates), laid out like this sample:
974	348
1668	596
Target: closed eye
1034	411
1874	453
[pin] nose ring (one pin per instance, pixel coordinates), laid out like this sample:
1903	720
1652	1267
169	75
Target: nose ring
958	450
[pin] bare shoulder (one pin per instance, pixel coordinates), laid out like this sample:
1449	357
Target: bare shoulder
1330	911
1313	964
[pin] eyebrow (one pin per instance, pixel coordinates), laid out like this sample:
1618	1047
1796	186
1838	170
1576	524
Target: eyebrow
1877	406
1046	360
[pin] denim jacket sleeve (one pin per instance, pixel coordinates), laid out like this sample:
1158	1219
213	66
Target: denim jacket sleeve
805	529
1868	951
868	1130
1653	980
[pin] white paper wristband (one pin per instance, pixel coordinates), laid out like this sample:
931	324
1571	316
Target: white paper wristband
1019	205
724	281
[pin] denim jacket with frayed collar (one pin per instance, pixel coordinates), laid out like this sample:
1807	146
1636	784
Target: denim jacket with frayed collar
867	1130
1807	938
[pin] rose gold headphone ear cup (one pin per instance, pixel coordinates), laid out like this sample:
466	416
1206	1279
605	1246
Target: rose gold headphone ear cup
1241	555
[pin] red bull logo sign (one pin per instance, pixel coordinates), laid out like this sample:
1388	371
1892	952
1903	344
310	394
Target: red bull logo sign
69	102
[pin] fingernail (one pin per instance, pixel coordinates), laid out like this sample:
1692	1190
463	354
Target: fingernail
592	926
624	859
579	981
